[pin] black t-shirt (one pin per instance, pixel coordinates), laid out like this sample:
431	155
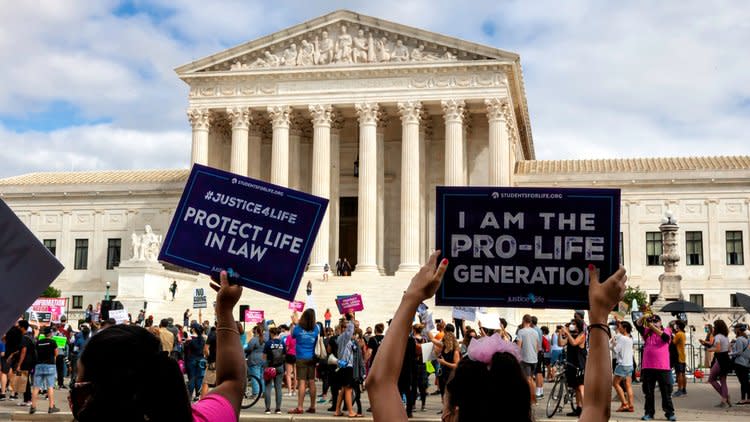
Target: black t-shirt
374	344
211	347
45	351
30	360
12	340
194	349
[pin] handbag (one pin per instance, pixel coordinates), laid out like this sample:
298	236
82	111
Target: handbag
332	360
269	373
320	349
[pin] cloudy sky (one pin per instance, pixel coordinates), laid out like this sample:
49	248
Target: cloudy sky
90	84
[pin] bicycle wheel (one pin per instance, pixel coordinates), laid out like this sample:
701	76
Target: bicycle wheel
248	400
572	396
555	395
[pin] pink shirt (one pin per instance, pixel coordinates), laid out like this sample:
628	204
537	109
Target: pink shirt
213	408
656	351
291	345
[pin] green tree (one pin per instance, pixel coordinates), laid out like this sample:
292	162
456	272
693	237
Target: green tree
51	292
634	292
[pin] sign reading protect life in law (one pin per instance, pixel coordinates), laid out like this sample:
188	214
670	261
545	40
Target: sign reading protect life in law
525	247
262	234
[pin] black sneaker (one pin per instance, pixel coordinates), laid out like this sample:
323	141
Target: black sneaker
32	410
2	397
53	409
574	413
268	411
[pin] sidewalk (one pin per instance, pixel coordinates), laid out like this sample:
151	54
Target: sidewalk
698	405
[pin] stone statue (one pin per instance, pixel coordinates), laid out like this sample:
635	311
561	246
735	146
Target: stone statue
449	57
306	56
383	54
268	60
135	247
419	55
238	65
150	245
400	52
344	47
361	48
290	56
324	49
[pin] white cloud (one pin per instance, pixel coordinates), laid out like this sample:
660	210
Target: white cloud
603	79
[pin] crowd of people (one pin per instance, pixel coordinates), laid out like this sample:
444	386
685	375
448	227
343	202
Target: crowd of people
399	362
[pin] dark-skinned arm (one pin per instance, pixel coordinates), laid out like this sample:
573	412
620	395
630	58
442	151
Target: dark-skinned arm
382	382
231	372
598	379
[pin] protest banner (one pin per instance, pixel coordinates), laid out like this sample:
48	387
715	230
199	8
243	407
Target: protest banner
525	247
199	299
351	303
254	316
466	313
26	267
55	307
261	234
297	305
119	315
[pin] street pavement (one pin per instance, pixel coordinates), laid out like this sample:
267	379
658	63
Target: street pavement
698	405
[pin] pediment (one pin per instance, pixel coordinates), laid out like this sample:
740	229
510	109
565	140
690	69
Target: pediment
344	38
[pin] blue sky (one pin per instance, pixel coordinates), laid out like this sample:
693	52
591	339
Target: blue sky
90	84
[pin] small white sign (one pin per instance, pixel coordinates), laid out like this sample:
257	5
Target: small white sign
489	320
119	315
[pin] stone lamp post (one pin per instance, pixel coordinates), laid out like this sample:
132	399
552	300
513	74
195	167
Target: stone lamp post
669	281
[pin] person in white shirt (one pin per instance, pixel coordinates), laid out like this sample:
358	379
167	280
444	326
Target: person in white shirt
624	369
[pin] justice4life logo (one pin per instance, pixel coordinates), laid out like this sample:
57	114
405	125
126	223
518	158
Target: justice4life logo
530	298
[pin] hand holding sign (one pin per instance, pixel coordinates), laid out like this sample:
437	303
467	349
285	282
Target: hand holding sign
227	294
425	283
603	297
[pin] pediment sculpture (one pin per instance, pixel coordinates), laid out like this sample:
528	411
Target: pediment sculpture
146	246
342	48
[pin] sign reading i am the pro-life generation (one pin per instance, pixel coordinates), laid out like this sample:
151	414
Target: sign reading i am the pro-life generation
525	247
262	234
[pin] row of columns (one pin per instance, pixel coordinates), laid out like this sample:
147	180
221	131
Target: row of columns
245	160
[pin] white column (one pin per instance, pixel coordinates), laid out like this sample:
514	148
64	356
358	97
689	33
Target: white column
410	195
715	249
295	155
254	151
200	120
425	135
240	119
280	144
454	142
368	184
333	213
499	142
321	179
382	125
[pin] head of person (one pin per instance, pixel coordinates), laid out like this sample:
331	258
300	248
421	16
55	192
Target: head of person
534	321
503	323
449	342
196	330
720	327
417	328
545	330
740	330
526	321
23	325
575	327
625	328
307	320
472	391
274	332
112	371
679	325
257	331
449	328
655	320
579	314
379	328
708	328
163	323
440	324
46	331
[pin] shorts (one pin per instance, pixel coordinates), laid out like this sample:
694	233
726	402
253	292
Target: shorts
539	363
4	366
45	376
290	359
210	377
306	370
528	369
573	376
680	367
345	377
623	371
555	356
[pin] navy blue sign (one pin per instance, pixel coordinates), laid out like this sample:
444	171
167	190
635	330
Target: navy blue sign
262	234
525	247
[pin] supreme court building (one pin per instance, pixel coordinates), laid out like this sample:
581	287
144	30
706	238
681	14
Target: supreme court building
373	115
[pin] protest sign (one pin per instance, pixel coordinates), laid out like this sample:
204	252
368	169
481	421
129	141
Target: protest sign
427	349
119	315
466	313
525	247
352	303
262	234
489	320
297	305
26	267
55	307
199	299
254	316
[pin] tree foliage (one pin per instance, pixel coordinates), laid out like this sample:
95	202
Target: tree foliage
51	292
634	292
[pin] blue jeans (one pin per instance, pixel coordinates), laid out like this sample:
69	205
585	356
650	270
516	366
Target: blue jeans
277	384
196	370
257	371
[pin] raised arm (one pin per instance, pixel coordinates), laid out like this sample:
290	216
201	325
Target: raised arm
598	379
230	360
382	382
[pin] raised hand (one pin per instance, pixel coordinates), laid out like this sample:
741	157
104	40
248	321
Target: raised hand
425	283
227	294
603	297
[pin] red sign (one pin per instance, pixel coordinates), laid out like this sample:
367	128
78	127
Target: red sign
56	307
254	316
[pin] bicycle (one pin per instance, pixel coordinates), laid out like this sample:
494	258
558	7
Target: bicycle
560	392
248	399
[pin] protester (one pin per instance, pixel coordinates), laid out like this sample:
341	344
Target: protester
290	358
707	343
374	343
305	335
327	317
449	355
185	317
624	369
655	366
556	351
23	361
195	361
574	339
539	368
472	394
118	393
254	356
326	269
273	375
345	373
679	340
722	364
45	371
4	369
209	380
358	368
741	356
422	376
528	341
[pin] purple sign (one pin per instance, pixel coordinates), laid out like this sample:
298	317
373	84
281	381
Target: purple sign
262	234
525	247
351	303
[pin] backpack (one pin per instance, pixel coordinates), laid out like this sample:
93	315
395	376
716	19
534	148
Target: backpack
545	345
277	356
